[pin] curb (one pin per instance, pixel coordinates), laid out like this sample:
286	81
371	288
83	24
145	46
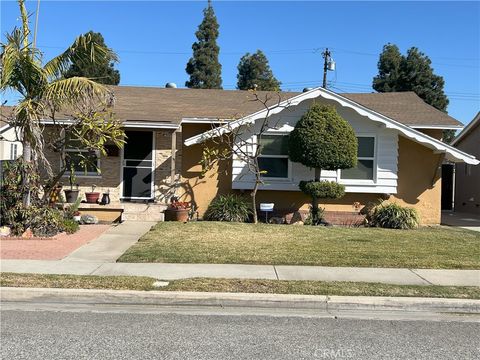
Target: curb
170	298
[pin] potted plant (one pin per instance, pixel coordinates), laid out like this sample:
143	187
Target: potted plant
92	197
177	210
77	216
71	194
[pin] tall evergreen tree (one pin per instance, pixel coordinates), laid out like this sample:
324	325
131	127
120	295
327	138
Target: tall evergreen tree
102	72
412	72
203	67
254	72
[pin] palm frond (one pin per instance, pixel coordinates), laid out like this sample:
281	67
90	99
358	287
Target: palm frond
75	92
83	49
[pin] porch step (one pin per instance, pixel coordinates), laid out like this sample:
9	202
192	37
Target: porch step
143	212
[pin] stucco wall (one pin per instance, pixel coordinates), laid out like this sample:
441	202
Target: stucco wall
467	181
419	184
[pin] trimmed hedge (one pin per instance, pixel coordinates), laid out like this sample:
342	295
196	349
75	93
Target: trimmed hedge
322	189
322	139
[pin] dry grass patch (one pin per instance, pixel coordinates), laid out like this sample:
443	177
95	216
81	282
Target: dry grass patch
238	286
237	243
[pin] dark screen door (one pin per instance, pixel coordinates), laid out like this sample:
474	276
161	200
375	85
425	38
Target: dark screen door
138	165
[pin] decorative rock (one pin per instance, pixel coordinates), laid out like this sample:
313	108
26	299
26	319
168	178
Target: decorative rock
5	231
276	220
89	219
297	223
27	234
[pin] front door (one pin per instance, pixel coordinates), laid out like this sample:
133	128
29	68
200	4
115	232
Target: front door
138	166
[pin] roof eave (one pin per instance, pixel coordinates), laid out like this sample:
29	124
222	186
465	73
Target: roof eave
452	153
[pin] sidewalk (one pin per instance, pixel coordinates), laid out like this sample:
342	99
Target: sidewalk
181	271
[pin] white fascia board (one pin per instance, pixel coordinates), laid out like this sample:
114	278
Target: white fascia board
204	121
467	128
5	128
452	153
437	127
127	125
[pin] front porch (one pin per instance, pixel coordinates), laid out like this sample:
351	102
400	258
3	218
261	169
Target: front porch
122	211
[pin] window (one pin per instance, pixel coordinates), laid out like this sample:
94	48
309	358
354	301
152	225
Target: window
85	162
274	156
366	161
13	151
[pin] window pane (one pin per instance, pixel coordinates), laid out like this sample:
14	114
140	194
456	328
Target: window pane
82	162
363	171
366	146
72	143
275	167
274	144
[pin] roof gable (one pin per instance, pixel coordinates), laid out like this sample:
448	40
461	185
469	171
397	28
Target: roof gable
467	130
417	136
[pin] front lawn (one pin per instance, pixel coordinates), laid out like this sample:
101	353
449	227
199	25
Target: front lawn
237	243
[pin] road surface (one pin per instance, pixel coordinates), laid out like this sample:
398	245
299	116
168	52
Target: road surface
60	331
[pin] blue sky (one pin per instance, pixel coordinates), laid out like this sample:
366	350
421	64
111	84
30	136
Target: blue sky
153	39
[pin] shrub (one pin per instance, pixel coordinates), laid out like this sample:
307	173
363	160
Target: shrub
46	221
322	189
323	139
70	226
72	210
394	216
228	208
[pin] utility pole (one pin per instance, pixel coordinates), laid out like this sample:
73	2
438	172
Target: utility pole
328	64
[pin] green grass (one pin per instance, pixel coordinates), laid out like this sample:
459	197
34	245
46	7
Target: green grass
238	286
237	243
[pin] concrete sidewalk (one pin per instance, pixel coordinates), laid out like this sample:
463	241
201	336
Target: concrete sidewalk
273	272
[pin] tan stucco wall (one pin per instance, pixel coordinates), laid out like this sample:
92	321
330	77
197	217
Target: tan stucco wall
467	186
419	183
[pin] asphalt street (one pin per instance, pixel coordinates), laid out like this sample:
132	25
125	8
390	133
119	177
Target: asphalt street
38	332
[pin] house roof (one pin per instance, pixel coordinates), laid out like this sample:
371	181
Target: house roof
468	129
173	105
5	111
450	152
405	107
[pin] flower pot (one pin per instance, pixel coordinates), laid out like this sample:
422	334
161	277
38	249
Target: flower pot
71	196
176	215
92	197
77	218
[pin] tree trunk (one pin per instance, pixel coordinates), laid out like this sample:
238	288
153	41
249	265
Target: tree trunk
317	174
253	194
27	157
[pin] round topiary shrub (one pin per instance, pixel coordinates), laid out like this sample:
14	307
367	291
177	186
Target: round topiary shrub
229	207
322	139
322	189
394	216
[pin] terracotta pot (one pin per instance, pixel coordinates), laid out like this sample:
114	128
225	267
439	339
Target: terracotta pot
71	196
92	197
176	215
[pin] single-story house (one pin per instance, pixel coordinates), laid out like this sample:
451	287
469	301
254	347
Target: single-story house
400	152
467	177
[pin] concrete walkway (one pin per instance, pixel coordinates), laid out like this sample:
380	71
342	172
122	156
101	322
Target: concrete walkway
181	271
109	246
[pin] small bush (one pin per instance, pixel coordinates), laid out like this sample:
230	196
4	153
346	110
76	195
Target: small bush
46	221
70	226
228	208
322	189
394	216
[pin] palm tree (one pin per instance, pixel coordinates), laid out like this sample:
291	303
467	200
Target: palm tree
42	88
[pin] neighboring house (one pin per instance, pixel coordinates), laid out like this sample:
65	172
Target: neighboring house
401	151
10	149
467	176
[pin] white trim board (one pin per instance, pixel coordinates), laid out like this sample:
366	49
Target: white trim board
466	129
451	153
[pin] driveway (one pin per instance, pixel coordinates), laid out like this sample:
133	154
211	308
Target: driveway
464	220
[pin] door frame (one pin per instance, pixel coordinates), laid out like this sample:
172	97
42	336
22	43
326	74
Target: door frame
122	159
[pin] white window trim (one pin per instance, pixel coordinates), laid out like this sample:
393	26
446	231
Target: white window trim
375	167
81	174
289	177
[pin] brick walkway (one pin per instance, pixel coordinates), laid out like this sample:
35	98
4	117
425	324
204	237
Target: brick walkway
54	249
